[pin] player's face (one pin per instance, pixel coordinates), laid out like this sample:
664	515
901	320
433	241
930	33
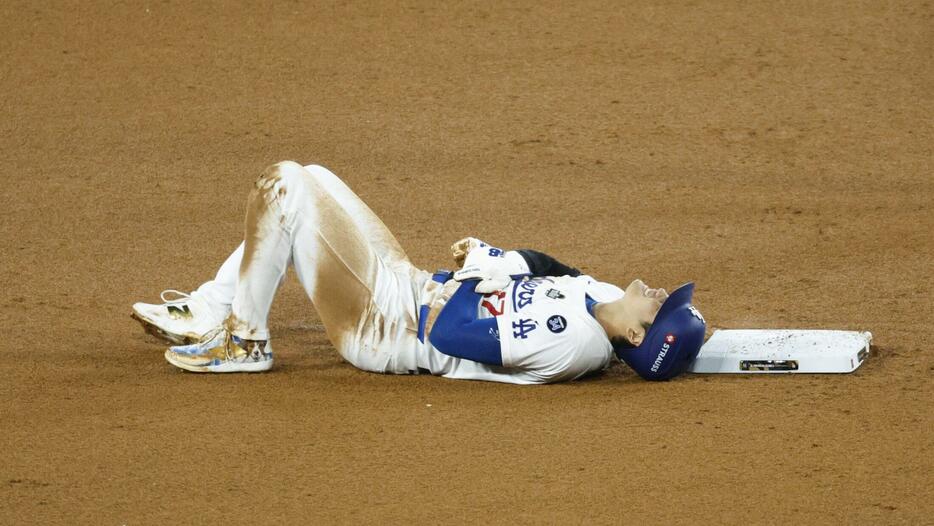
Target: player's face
644	302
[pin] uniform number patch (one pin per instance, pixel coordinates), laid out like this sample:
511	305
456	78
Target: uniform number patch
557	323
494	302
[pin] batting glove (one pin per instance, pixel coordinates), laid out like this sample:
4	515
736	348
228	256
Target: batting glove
493	267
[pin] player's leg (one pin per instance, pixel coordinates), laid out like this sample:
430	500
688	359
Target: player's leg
221	289
185	318
361	282
384	337
366	221
352	268
362	286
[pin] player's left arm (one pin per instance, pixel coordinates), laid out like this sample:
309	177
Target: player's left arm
458	332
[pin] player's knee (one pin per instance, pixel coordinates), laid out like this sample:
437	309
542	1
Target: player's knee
282	173
283	180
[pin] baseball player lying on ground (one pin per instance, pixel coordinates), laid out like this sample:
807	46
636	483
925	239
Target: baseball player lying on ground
507	316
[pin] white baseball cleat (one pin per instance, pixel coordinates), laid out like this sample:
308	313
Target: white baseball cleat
185	319
221	352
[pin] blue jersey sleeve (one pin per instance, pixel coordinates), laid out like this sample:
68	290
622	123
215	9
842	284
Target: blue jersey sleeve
458	332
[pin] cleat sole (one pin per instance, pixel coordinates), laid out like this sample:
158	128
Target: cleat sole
154	330
223	367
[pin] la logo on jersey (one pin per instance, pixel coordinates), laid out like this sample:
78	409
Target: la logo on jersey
670	339
557	323
522	328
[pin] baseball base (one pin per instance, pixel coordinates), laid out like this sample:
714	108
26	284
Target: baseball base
782	351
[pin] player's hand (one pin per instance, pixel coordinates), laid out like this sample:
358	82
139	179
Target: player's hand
436	297
493	267
461	248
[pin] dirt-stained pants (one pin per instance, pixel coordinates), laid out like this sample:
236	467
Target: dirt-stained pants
359	279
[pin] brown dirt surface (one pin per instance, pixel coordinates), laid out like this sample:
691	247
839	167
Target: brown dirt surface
777	153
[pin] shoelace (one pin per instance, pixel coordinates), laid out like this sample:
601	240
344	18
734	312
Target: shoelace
210	336
181	297
228	342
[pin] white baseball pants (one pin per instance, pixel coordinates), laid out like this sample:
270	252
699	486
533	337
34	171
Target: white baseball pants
359	279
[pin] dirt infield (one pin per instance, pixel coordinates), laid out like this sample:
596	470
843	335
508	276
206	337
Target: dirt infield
779	155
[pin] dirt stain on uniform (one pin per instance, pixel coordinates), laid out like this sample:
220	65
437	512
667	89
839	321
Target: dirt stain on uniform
257	206
235	325
344	274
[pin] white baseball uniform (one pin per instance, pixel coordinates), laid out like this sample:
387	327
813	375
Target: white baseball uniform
545	330
367	293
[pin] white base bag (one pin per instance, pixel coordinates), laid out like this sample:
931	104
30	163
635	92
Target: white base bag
782	351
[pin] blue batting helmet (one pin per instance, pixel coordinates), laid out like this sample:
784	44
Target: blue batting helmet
673	340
